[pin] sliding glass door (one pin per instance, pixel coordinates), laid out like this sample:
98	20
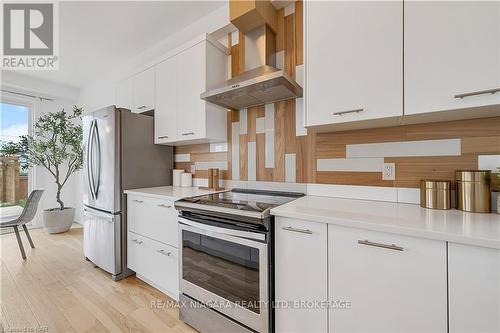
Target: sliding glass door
15	179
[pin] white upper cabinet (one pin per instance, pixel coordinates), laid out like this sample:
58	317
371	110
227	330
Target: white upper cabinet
144	91
353	62
393	283
474	288
137	93
191	82
166	101
181	115
125	94
451	48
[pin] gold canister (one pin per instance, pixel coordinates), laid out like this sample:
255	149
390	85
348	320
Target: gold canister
473	190
435	194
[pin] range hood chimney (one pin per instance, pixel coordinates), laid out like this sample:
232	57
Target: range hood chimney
262	82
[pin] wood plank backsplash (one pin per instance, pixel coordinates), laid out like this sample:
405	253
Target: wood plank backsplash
270	144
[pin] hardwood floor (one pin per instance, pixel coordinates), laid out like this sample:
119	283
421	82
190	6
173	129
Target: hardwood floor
57	290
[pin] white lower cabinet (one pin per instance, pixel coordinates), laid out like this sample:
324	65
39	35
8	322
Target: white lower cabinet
301	275
474	288
152	242
393	283
155	262
370	281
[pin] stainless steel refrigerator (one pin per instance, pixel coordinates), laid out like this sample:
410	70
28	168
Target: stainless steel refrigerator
119	154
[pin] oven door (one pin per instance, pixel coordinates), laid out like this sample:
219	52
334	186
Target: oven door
226	272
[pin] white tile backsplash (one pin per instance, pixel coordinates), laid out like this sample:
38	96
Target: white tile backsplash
353	165
235	151
290	168
488	162
252	161
445	147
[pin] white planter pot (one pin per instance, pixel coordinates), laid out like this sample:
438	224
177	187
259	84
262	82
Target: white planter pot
56	220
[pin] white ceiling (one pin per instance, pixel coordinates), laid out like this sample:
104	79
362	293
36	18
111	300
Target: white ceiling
94	35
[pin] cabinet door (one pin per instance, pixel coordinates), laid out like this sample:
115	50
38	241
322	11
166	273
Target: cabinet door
166	101
191	76
474	288
301	275
164	268
393	283
144	91
125	94
354	61
451	48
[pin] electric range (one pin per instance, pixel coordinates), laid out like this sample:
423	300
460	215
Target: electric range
227	260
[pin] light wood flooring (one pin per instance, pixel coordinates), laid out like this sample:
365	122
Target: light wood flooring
57	290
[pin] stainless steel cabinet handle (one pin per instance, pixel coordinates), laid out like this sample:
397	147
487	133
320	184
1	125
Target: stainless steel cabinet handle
163	137
137	241
164	206
189	133
480	92
164	253
138	201
348	111
302	231
385	246
141	107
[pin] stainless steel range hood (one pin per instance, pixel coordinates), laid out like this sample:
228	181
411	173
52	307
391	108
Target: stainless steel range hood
261	83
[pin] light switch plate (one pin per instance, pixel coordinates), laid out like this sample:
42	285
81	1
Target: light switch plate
389	171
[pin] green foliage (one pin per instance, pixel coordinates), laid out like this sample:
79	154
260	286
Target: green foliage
56	142
11	148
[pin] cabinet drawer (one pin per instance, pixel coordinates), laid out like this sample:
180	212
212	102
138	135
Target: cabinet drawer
153	218
156	262
393	283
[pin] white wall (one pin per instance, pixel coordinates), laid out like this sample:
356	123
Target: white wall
64	98
101	91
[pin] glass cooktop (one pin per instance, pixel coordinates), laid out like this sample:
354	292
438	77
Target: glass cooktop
246	200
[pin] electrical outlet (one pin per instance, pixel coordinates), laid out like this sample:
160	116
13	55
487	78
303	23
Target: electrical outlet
389	171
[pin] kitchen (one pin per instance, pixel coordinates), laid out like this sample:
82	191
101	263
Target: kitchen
285	166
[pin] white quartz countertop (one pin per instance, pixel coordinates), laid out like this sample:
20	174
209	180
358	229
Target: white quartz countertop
169	192
406	219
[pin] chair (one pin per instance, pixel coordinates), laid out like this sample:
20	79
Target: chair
26	216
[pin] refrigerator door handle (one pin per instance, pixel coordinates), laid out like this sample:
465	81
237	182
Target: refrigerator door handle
91	212
98	158
90	160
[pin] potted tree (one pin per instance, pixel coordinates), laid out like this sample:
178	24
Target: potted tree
56	145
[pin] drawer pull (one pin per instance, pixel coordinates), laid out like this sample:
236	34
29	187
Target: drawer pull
163	137
164	206
348	111
164	253
137	241
385	246
302	231
138	201
189	133
141	107
475	93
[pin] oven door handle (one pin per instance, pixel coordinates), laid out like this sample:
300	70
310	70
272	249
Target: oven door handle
209	230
